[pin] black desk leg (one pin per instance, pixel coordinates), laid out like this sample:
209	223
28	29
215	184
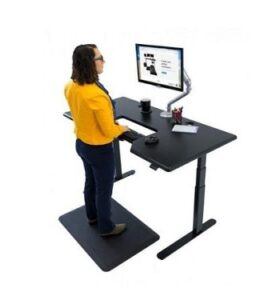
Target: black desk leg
119	175
198	225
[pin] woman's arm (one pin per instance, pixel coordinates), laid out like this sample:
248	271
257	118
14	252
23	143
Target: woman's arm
105	118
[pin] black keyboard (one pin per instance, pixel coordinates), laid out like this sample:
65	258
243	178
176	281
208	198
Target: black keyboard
130	135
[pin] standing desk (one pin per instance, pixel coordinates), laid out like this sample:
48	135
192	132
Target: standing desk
173	150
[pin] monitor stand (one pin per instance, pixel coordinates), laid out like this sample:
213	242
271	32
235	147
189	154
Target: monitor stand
187	82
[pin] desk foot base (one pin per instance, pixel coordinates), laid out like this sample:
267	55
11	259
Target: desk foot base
184	240
124	175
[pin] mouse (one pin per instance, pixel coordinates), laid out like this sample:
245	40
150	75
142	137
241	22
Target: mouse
151	140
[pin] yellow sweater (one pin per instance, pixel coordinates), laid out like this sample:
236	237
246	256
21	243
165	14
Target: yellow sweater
92	113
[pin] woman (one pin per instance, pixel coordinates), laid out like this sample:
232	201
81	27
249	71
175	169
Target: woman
93	115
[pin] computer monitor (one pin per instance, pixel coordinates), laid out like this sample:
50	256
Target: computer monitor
160	66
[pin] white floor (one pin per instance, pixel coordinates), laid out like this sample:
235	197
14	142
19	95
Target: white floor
232	56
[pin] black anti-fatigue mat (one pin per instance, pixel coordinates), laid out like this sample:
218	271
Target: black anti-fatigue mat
109	252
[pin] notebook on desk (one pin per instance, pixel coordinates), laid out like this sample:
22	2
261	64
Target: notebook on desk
185	128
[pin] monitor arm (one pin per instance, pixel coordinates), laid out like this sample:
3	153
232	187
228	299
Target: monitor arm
187	82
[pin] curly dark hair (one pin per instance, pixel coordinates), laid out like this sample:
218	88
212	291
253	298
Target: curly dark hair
83	67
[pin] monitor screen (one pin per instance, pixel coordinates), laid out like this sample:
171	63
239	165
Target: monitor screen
161	66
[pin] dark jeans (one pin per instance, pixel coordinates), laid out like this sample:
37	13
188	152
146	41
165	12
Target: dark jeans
99	164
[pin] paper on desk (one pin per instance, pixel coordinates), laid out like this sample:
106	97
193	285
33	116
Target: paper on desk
185	128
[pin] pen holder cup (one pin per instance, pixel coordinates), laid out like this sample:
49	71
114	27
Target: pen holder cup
177	116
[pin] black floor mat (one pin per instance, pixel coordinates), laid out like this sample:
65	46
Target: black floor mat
109	252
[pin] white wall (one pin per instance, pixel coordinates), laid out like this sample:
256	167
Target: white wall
232	56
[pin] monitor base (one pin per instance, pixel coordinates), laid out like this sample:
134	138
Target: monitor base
166	114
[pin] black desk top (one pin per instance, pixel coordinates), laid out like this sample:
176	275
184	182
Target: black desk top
174	149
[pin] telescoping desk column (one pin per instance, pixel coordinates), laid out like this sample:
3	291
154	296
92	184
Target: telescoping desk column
174	150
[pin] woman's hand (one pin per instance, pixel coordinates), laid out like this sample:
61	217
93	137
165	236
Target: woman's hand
126	127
